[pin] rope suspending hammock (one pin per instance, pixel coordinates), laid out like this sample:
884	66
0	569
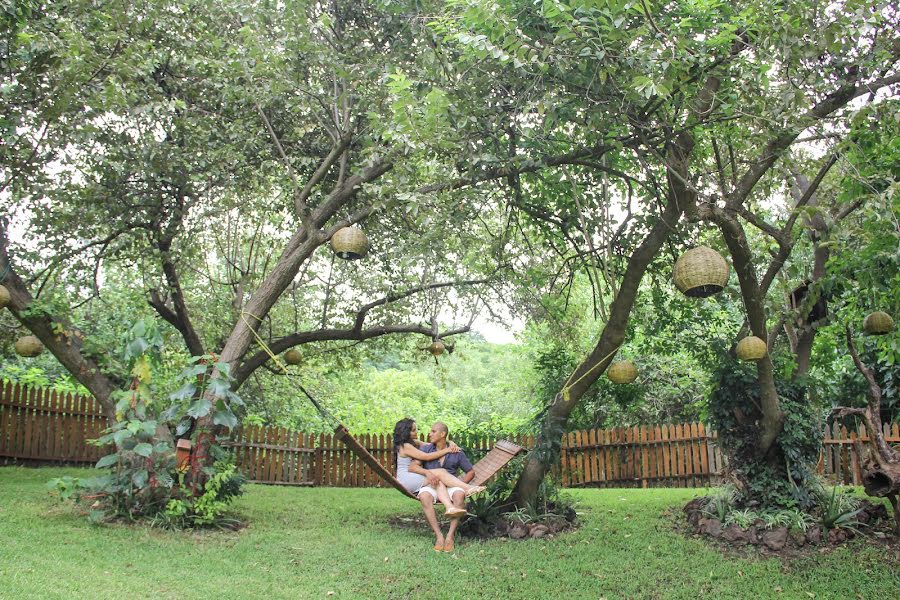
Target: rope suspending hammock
498	457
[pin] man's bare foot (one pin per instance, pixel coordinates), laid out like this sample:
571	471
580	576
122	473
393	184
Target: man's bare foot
439	545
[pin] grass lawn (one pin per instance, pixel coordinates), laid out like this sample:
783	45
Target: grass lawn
334	543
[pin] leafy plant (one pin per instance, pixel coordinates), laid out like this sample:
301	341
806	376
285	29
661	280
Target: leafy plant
68	488
775	518
798	520
838	509
141	478
721	502
742	518
735	414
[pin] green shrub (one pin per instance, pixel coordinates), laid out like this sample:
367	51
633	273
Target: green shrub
742	518
721	502
787	481
141	479
838	509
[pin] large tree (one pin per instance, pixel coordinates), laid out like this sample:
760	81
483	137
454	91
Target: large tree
697	108
169	135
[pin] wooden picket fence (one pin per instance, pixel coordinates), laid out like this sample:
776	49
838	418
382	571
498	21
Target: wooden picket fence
683	455
41	426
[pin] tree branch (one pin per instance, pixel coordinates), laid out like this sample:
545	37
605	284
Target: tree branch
59	336
780	143
258	359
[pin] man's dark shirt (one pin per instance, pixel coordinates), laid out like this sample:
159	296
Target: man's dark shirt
452	461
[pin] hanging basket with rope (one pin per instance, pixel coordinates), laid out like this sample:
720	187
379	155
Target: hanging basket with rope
751	348
878	323
28	346
293	357
700	272
4	296
350	243
622	371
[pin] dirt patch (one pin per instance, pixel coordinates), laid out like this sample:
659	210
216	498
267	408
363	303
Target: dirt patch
510	526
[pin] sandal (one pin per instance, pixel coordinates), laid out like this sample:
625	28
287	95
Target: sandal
439	547
475	490
448	547
455	512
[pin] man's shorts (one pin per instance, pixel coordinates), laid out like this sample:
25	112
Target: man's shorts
430	490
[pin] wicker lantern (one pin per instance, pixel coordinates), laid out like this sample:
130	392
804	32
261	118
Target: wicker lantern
4	296
293	357
878	323
437	347
700	272
28	346
350	243
623	371
751	348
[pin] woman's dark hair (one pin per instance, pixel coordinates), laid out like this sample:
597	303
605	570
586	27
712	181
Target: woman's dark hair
402	432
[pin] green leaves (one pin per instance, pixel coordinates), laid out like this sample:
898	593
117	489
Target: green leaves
199	408
107	461
143	449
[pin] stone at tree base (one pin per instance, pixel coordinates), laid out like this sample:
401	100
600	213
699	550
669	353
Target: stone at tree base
776	539
734	534
711	527
502	527
694	518
871	512
836	536
694	511
518	531
538	531
695	505
556	524
753	534
814	535
798	537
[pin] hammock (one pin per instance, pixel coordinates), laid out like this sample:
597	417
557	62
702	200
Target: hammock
499	456
502	452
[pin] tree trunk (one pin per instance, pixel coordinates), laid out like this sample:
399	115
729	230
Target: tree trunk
592	367
881	464
772	415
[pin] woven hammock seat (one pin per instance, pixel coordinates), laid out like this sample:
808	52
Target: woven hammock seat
499	456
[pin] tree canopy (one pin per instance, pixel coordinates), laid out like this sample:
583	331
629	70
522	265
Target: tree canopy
194	158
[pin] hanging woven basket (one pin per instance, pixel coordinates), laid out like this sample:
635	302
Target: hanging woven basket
28	346
350	243
623	371
751	348
700	272
437	347
4	296
878	323
293	357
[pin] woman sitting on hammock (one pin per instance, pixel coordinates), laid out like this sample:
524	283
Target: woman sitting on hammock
406	444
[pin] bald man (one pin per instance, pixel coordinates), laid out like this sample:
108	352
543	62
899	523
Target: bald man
453	463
